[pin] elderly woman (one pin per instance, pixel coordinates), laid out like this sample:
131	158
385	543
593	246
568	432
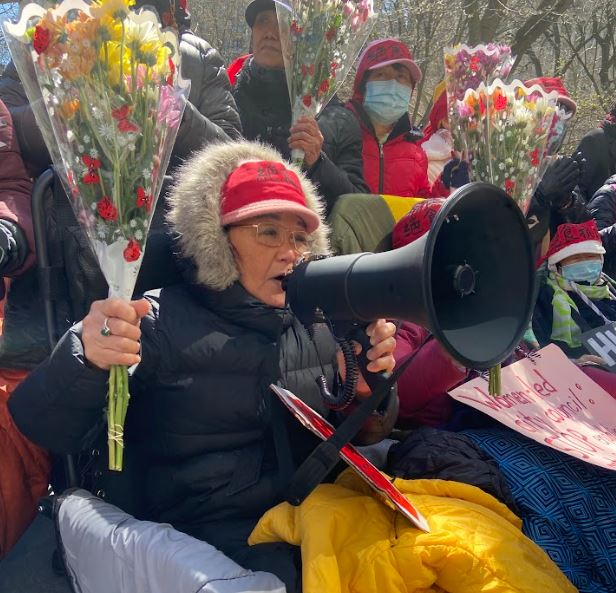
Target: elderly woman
394	162
204	436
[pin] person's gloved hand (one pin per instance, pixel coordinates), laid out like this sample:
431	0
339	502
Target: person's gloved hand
455	173
13	247
559	180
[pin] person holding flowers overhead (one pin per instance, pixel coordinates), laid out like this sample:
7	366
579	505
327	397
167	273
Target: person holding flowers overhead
394	162
332	146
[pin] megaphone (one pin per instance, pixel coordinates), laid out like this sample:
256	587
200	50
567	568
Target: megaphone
469	281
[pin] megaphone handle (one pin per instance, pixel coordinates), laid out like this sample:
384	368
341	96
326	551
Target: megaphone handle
374	380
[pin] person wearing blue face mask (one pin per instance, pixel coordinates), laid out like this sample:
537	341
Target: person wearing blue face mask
394	162
576	296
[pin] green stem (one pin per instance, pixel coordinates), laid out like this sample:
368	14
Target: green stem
111	443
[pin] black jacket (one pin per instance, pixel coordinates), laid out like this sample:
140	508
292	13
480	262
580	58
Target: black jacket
585	318
542	217
210	113
199	441
602	208
262	99
598	147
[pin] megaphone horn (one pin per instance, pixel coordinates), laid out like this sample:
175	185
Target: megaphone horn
469	281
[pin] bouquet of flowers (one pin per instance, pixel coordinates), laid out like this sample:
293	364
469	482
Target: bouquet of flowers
503	131
104	86
320	40
468	67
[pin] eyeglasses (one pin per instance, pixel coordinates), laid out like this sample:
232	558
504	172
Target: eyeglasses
271	234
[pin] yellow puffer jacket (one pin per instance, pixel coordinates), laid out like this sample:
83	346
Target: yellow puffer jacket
353	543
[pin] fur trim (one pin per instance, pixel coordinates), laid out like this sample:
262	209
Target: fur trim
194	208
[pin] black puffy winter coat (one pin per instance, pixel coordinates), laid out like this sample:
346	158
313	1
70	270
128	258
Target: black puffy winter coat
598	147
602	208
199	440
262	99
210	113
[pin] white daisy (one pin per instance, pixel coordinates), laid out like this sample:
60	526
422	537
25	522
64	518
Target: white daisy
105	129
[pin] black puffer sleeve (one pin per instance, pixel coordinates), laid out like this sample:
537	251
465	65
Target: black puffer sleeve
339	170
63	399
211	114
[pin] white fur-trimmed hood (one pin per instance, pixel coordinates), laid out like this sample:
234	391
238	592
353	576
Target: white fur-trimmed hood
194	208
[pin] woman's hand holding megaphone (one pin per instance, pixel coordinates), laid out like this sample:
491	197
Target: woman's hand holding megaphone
381	355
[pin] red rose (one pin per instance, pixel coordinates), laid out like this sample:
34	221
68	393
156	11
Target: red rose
331	34
90	162
324	87
91	177
295	28
106	209
125	125
171	72
534	157
509	186
143	199
41	39
307	100
132	252
182	4
500	102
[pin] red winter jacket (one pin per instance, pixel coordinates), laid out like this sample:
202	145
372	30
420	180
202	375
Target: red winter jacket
423	386
400	166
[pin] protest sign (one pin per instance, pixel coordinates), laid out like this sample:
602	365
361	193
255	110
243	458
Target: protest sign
377	480
548	398
601	341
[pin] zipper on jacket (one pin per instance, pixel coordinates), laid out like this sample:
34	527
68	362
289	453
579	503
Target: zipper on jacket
381	167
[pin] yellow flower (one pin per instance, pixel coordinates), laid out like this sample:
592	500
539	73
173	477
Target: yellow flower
113	54
116	9
144	40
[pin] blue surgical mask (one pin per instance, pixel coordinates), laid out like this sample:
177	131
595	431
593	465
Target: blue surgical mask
583	271
386	101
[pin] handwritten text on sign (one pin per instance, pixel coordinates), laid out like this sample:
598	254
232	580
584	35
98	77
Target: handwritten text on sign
549	399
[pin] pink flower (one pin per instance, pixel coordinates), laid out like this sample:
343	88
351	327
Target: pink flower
169	111
464	110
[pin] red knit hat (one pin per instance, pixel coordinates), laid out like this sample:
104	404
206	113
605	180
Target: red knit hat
554	84
572	239
383	52
264	187
417	222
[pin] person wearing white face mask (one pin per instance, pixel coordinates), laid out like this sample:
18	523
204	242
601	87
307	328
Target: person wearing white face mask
394	162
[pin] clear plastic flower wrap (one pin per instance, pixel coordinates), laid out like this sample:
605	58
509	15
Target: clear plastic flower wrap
105	89
320	40
468	67
504	130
